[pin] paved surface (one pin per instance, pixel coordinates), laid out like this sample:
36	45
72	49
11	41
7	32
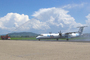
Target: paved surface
44	50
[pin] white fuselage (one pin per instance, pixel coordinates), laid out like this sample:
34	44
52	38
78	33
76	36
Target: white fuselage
57	36
62	35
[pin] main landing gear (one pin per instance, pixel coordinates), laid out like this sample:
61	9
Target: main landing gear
67	39
57	39
39	39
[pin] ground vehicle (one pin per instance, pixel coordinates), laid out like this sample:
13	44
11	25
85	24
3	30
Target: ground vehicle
5	37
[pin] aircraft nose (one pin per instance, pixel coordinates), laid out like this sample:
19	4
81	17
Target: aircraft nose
36	37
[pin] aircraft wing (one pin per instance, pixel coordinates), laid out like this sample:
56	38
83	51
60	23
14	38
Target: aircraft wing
67	34
70	32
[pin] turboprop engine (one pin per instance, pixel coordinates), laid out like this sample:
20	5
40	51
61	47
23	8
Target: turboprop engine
60	34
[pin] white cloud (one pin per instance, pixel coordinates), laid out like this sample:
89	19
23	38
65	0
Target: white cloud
36	24
33	25
16	25
56	17
12	20
69	6
45	20
87	29
43	10
88	21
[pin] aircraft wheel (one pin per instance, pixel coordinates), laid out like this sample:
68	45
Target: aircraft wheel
39	39
57	39
67	39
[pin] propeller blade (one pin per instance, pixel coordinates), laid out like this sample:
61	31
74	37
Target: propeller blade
60	33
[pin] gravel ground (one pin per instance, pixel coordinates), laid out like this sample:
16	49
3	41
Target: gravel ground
44	50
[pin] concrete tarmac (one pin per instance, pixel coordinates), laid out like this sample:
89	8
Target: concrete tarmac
44	50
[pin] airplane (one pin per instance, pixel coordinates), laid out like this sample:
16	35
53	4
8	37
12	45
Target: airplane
61	35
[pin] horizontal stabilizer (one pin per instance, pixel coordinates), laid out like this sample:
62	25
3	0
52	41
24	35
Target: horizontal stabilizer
82	26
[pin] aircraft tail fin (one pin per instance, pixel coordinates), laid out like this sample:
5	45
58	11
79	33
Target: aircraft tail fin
81	29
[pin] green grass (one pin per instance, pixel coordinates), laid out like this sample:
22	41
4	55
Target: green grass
34	38
30	38
23	38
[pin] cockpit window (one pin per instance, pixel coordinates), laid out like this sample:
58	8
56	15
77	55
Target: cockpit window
41	35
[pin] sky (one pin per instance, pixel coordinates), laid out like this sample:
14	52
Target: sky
43	16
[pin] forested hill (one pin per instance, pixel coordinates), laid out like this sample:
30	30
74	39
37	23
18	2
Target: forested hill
22	34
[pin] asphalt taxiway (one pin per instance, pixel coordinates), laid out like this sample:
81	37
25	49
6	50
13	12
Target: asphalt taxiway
43	50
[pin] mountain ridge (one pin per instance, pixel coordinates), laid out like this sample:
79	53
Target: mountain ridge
22	34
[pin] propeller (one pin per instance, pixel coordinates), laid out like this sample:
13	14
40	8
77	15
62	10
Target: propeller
50	32
60	34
